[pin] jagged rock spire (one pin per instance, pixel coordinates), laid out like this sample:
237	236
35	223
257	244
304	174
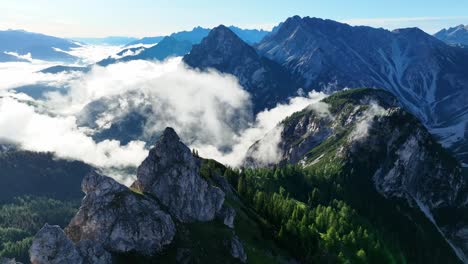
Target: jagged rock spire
171	173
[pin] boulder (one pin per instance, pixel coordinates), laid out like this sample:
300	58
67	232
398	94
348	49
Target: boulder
52	246
118	218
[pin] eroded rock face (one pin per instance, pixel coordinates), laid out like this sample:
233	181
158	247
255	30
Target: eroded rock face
52	246
237	250
416	172
93	253
227	214
119	219
171	173
114	219
8	261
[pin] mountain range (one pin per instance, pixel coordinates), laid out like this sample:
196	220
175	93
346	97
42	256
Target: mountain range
429	77
167	47
374	173
196	35
455	35
338	200
39	46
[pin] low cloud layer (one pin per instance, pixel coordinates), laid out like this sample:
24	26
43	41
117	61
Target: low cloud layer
266	122
21	123
202	107
361	130
210	111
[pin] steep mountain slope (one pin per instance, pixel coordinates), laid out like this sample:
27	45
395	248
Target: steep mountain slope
266	81
455	35
370	147
40	46
168	47
40	174
362	194
36	188
429	77
180	210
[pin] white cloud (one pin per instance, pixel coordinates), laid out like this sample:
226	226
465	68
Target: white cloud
90	54
266	122
267	151
361	130
16	74
202	107
210	111
39	132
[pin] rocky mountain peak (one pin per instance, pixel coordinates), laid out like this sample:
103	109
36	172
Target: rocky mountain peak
454	35
114	220
416	36
169	135
172	174
94	182
223	50
223	33
222	42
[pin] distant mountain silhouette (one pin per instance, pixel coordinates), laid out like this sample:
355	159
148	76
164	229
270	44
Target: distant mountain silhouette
168	47
40	46
196	35
455	35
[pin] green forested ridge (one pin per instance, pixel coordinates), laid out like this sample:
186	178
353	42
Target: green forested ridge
40	174
21	219
326	211
327	225
329	211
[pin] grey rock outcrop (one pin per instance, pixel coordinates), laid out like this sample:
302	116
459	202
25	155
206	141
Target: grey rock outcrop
227	214
171	173
119	219
415	169
8	261
93	253
223	184
52	246
237	250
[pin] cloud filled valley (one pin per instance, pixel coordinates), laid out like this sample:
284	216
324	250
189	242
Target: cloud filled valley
315	142
110	116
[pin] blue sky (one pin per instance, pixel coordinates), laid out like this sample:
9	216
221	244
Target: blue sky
94	18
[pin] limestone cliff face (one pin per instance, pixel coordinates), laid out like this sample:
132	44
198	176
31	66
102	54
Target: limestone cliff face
51	246
171	173
112	219
115	220
367	128
119	219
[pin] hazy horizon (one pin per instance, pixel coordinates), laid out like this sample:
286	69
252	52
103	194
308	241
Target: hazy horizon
91	19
